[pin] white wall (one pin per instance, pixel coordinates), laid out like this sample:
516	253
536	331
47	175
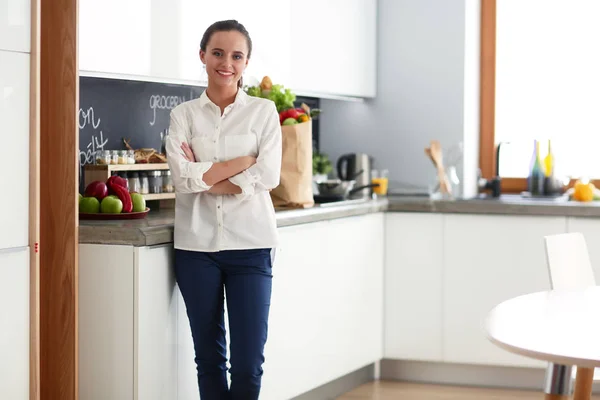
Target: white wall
427	88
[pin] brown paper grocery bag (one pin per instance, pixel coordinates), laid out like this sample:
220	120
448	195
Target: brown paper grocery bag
295	187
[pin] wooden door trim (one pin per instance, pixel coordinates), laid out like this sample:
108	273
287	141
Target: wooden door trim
34	204
58	190
487	105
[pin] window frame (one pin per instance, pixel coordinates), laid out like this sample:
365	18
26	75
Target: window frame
487	103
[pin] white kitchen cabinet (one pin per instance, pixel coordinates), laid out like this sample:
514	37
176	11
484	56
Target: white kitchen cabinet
327	304
590	228
117	37
165	40
127	323
334	47
489	259
267	22
187	375
312	47
414	262
14	323
15	26
14	114
156	305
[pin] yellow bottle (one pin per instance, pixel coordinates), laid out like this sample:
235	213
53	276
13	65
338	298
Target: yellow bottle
549	162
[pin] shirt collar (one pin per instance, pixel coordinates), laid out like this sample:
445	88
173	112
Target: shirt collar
240	98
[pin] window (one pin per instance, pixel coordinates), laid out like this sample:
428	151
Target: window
540	81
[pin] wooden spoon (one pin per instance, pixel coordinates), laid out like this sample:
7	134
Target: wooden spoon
435	153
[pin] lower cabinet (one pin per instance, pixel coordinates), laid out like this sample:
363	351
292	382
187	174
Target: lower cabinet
487	260
14	323
445	272
127	323
327	304
326	315
413	286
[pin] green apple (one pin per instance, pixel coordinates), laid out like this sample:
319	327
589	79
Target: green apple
80	197
139	202
111	205
89	205
289	121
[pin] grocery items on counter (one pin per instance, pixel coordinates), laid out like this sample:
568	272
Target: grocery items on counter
111	197
295	189
284	102
583	191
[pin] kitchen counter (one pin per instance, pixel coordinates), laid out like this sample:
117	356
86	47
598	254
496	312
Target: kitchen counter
508	204
157	227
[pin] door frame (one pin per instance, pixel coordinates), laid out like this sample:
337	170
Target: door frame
58	188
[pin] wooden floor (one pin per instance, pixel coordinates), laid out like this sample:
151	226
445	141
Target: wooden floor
383	390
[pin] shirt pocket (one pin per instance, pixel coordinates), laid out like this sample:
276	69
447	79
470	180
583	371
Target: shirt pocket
203	147
241	145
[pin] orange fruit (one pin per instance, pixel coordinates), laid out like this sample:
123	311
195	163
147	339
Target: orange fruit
302	118
584	191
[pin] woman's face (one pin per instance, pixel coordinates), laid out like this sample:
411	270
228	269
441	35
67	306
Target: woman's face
226	58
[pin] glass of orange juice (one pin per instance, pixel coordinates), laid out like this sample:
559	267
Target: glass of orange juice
381	178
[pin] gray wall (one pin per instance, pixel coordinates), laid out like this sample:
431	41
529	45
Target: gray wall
427	88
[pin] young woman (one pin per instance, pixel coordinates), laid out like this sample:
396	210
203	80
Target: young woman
224	152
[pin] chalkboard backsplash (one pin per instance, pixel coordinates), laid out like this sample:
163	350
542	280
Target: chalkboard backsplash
113	109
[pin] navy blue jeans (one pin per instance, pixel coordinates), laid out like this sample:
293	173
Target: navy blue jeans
245	276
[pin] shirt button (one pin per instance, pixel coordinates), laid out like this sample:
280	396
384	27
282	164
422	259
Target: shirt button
218	206
215	158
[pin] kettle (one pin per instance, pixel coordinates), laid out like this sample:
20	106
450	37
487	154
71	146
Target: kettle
357	167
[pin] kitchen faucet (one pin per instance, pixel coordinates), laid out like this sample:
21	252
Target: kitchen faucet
493	184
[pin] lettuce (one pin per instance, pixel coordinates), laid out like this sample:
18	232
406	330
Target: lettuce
283	98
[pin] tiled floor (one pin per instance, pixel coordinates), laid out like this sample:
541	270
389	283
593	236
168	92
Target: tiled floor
384	390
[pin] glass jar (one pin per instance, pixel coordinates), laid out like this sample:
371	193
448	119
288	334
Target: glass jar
155	182
130	157
114	157
134	182
167	182
103	157
125	178
144	184
122	158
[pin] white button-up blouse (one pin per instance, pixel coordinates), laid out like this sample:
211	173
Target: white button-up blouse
248	127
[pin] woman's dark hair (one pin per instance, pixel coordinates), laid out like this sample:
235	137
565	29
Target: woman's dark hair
226	26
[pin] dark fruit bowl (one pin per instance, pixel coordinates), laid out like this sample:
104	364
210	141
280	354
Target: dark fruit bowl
121	216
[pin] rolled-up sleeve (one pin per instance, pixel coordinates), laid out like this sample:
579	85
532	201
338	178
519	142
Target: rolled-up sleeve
265	174
187	176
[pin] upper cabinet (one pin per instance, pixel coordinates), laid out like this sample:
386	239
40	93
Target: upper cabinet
267	22
115	36
319	48
15	25
334	47
14	114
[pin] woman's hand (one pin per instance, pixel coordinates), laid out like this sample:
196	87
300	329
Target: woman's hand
187	152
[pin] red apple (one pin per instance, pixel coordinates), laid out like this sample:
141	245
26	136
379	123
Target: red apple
96	189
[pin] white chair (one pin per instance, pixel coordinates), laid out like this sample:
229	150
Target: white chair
570	268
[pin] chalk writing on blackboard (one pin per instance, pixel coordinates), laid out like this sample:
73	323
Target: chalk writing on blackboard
161	102
97	140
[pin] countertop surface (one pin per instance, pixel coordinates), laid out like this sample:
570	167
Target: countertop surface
509	204
157	227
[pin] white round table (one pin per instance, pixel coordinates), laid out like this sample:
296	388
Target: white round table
561	327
